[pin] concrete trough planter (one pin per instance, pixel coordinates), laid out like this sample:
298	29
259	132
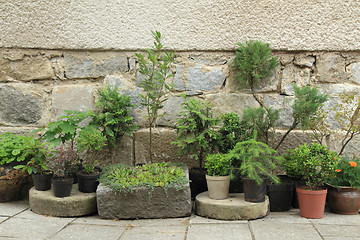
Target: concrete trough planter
143	203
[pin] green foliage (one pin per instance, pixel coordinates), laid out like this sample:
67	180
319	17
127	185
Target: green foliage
218	165
307	102
262	121
67	162
90	139
13	148
231	132
253	62
256	159
65	129
124	178
347	173
195	129
156	70
37	153
113	117
315	164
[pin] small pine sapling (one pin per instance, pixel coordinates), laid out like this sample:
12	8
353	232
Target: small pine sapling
156	70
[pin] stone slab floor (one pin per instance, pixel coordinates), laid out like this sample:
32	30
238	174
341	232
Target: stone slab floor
18	222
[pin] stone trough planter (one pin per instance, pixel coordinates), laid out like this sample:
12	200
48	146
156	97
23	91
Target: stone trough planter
143	203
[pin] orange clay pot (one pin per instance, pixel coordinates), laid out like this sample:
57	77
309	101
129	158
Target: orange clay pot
311	202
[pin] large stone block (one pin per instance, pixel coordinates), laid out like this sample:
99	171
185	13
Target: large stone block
179	82
93	65
282	103
143	202
25	67
331	68
304	60
171	109
205	78
350	149
293	140
72	97
162	149
18	107
294	75
353	71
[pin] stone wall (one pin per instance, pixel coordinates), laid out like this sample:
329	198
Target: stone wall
36	86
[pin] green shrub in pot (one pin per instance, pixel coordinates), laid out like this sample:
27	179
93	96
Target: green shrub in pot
218	164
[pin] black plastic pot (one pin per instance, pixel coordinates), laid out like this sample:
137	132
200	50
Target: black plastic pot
254	192
197	181
236	184
295	201
88	182
280	195
42	182
62	186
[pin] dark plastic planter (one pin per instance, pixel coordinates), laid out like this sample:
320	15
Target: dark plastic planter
197	181
42	182
280	195
62	186
236	184
88	182
254	192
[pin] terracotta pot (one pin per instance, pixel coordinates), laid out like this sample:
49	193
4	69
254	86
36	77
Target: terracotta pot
345	200
254	192
218	186
311	202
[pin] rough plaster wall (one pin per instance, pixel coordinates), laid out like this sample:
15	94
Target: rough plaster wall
188	25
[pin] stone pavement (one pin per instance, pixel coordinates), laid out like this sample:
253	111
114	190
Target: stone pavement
18	222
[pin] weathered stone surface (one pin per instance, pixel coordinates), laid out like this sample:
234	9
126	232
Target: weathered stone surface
233	208
205	79
351	148
162	149
331	68
138	204
58	64
293	140
283	103
286	59
25	68
93	65
303	60
179	83
294	75
207	61
172	108
77	204
72	97
19	108
353	71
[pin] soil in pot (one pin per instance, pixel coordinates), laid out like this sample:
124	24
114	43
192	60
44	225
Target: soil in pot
88	182
311	202
218	186
197	181
345	200
14	184
62	186
280	195
253	191
42	182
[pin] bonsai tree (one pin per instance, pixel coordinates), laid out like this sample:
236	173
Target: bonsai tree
218	165
315	164
113	117
195	129
156	70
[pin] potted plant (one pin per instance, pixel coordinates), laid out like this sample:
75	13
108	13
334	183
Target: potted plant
315	164
91	140
14	183
35	163
257	162
218	175
343	192
195	133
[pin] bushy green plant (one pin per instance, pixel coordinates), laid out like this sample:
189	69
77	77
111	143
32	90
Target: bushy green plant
65	128
113	117
90	139
307	102
231	132
13	149
315	164
195	129
262	121
156	70
218	165
125	178
253	62
257	160
347	173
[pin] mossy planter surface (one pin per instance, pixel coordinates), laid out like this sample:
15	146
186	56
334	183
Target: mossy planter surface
144	202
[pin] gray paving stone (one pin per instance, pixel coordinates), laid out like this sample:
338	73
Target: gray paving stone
203	220
12	208
218	231
96	220
269	229
338	231
286	217
332	218
340	238
89	232
3	219
32	228
160	222
155	233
